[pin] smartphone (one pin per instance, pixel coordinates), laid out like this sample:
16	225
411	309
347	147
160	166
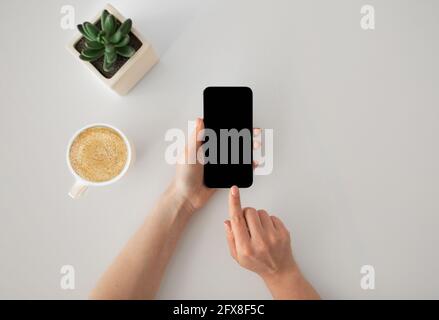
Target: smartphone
228	140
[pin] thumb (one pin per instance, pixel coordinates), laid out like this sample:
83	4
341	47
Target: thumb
194	143
199	127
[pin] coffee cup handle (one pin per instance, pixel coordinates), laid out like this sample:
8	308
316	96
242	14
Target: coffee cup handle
77	190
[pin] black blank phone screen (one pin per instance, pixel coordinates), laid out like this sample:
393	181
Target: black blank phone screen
228	113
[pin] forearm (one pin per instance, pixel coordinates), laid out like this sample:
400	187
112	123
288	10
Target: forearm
290	285
138	270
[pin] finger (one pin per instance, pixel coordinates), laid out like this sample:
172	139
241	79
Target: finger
230	239
239	225
234	202
256	141
255	164
256	144
266	221
278	224
253	223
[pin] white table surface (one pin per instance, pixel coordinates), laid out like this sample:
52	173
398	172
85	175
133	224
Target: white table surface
355	117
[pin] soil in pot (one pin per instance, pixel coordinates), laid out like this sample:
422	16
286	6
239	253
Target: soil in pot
120	61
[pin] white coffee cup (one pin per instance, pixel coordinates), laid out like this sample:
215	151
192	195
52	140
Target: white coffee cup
81	184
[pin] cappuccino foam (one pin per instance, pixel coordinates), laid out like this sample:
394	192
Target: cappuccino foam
98	154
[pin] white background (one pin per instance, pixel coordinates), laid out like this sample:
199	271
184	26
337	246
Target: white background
355	118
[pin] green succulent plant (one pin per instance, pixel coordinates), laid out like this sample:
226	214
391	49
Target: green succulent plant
109	41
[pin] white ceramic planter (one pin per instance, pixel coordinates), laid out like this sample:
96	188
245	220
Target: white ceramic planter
133	70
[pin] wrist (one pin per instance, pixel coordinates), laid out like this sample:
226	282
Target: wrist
280	277
290	284
184	206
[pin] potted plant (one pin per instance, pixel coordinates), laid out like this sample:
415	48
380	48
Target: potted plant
113	50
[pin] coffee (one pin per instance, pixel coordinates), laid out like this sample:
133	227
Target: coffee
98	154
